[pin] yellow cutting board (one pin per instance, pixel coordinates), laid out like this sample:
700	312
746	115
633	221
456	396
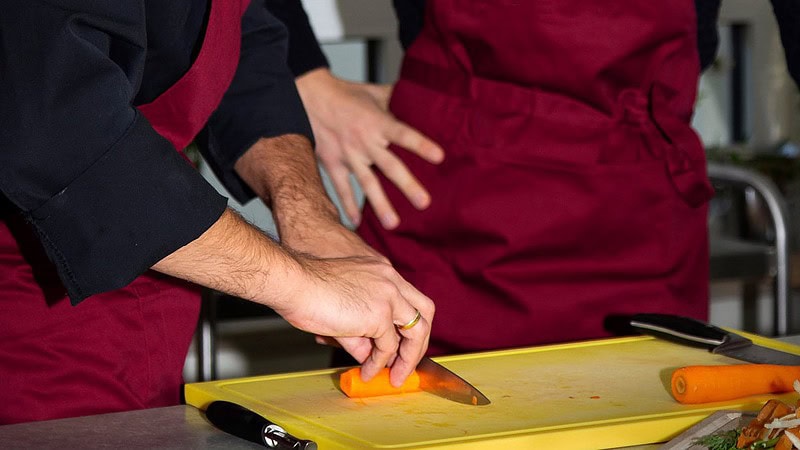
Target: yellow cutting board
586	395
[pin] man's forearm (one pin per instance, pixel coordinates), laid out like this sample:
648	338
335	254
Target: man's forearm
283	171
334	286
236	258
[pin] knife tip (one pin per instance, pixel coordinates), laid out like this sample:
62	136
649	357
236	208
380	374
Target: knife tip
480	401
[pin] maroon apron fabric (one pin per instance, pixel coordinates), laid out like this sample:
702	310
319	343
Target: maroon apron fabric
573	188
119	350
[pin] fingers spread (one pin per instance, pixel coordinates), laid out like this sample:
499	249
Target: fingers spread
409	138
381	93
376	196
340	177
398	173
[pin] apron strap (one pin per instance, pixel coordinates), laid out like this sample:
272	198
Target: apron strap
183	110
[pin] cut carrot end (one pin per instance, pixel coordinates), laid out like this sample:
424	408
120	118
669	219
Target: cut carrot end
351	384
680	385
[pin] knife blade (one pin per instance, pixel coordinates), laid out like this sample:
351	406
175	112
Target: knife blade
438	380
688	331
241	422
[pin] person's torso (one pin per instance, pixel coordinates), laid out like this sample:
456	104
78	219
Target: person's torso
573	185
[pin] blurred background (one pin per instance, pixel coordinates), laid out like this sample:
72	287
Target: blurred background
747	114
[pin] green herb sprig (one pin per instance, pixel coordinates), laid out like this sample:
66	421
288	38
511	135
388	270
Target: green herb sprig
719	441
727	441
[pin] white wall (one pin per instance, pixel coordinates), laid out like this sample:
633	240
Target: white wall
772	112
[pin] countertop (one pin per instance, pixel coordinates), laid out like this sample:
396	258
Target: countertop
174	427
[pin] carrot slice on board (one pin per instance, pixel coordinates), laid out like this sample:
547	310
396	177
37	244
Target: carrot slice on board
704	384
351	384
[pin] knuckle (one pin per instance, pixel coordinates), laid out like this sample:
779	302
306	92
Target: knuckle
328	158
386	270
386	288
428	309
367	181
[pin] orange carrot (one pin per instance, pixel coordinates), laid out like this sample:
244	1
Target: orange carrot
703	384
351	384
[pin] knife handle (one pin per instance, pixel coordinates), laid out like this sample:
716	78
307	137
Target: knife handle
683	330
241	422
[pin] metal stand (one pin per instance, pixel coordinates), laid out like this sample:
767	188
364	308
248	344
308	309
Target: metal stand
779	212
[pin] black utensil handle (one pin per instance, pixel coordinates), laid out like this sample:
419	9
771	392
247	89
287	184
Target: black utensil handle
241	422
683	330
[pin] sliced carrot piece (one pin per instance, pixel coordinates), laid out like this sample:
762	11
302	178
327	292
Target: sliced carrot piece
351	384
755	430
784	443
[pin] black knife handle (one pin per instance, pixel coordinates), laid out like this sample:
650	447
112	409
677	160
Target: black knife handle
683	330
240	421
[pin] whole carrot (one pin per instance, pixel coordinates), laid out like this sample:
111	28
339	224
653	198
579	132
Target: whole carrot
351	384
704	384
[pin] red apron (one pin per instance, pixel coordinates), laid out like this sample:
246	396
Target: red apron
118	350
573	189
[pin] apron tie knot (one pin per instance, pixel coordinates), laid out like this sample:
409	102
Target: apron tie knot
686	162
633	107
670	139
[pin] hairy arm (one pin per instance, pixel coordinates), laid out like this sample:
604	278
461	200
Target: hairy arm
283	172
356	301
322	279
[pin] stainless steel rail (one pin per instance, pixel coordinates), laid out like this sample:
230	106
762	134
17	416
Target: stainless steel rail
780	218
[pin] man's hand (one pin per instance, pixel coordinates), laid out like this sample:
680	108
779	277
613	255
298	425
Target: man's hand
344	291
357	301
353	129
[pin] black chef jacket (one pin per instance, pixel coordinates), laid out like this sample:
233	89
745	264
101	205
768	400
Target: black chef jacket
106	194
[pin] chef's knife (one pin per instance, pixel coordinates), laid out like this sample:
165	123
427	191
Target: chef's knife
240	421
693	332
438	380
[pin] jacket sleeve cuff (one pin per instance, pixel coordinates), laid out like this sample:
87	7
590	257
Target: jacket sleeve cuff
125	213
